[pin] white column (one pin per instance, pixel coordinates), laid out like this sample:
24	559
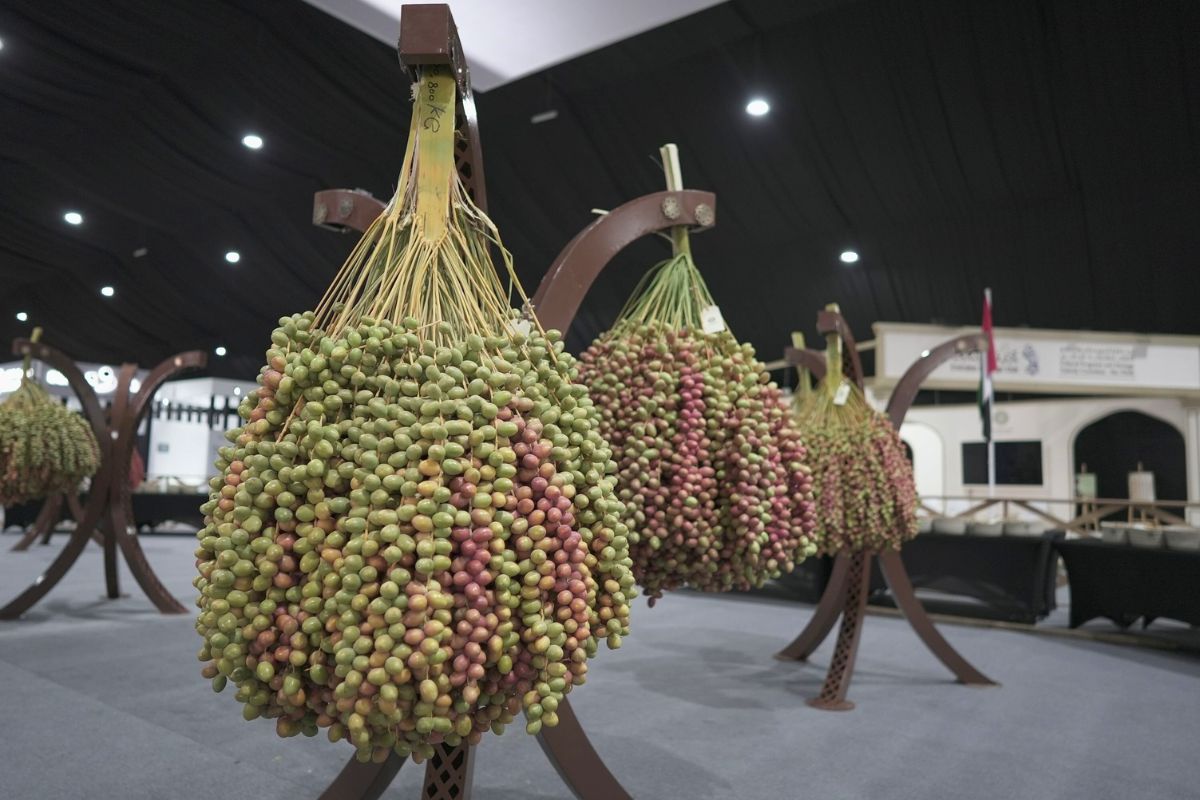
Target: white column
1192	444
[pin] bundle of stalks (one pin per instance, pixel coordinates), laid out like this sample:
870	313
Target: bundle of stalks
45	448
863	482
414	536
711	469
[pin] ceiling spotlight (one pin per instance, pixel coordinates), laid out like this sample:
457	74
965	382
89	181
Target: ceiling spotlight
544	116
233	256
107	291
22	316
848	256
253	141
73	218
237	391
220	350
757	107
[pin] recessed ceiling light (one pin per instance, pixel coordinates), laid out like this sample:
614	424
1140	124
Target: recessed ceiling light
253	141
73	218
848	256
22	316
107	291
219	350
233	256
1	44
757	107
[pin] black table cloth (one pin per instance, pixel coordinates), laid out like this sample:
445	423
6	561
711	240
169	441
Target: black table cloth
148	510
1005	577
1124	583
1009	578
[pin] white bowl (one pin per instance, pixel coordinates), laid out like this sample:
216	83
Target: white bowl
1145	536
1181	537
1113	533
985	528
1024	529
948	525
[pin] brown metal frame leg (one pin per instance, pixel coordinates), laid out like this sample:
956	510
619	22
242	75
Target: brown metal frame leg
59	567
828	610
43	525
906	600
363	781
841	668
112	579
577	762
135	557
77	514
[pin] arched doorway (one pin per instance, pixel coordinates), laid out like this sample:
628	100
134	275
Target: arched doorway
1112	446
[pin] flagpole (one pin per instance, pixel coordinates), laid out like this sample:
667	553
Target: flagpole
991	441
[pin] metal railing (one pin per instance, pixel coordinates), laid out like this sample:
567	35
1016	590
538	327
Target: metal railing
1084	520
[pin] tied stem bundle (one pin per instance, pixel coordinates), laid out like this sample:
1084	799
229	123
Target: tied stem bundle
711	470
45	448
414	535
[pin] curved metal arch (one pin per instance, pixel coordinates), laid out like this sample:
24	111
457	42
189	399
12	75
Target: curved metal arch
565	284
133	408
806	358
910	382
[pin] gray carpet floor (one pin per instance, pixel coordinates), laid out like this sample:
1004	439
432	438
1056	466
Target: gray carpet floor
102	699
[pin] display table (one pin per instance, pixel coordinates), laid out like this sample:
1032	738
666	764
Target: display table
1009	578
1122	582
154	509
149	509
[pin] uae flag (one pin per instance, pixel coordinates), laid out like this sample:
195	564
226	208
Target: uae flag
987	367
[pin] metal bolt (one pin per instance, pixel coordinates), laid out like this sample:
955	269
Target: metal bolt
704	214
320	213
670	207
345	207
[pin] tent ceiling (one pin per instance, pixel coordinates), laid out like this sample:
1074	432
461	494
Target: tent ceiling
1044	150
510	39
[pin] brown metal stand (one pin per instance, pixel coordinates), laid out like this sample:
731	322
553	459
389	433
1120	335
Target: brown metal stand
428	36
48	518
108	503
846	593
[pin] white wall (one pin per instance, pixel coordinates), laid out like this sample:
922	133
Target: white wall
186	450
180	449
936	434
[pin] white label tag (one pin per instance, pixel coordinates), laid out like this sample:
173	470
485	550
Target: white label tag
842	394
519	326
711	319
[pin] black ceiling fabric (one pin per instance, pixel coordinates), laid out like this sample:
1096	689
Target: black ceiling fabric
1049	150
